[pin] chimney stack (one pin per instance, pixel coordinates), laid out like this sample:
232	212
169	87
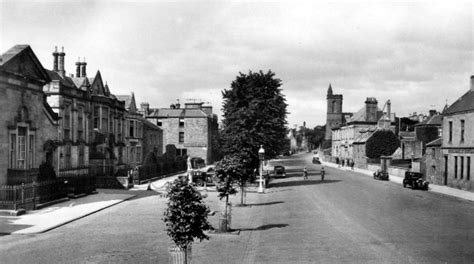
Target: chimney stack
55	61
83	68
472	82
432	112
78	68
61	69
371	109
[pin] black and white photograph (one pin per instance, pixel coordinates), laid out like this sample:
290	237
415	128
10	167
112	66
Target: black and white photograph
236	131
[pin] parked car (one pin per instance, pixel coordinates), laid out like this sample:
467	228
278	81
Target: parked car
316	160
279	171
415	180
203	175
381	175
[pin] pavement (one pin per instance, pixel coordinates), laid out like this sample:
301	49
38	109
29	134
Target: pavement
48	218
399	180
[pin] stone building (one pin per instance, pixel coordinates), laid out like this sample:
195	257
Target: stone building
133	131
192	129
29	125
92	122
364	121
458	141
152	139
107	133
433	163
72	104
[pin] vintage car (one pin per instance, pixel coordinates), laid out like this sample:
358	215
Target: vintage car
204	175
316	160
279	171
381	175
415	180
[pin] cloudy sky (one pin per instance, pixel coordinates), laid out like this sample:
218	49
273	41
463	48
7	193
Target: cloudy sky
418	54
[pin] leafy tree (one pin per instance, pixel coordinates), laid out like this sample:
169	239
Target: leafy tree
254	111
186	215
381	143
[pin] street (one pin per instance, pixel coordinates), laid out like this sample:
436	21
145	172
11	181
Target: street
348	218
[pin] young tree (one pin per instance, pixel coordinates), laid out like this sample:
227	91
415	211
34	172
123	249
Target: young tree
230	171
186	215
254	111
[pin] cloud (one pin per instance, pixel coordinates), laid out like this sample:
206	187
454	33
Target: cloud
408	52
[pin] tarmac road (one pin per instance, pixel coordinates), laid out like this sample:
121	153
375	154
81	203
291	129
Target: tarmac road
349	218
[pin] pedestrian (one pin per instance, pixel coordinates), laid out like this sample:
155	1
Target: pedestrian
305	173
352	164
337	162
322	173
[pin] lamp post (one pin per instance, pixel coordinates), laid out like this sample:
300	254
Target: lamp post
261	156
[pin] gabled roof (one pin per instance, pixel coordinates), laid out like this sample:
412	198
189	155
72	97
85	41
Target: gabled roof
80	82
21	60
464	104
106	89
97	85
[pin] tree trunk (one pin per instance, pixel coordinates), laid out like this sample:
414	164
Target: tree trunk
242	189
186	254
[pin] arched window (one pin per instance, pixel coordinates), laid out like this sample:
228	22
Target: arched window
333	106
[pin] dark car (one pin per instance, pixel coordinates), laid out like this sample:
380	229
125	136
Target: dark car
279	171
381	175
204	175
415	180
316	160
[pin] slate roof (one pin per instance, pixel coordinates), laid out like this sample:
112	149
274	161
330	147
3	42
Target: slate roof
361	115
176	113
149	124
364	136
126	98
464	104
80	82
5	57
17	50
65	81
435	120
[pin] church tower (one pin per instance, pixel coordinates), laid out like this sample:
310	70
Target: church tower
334	117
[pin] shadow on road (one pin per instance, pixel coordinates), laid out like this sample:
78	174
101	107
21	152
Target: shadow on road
298	173
264	227
302	182
144	194
269	203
